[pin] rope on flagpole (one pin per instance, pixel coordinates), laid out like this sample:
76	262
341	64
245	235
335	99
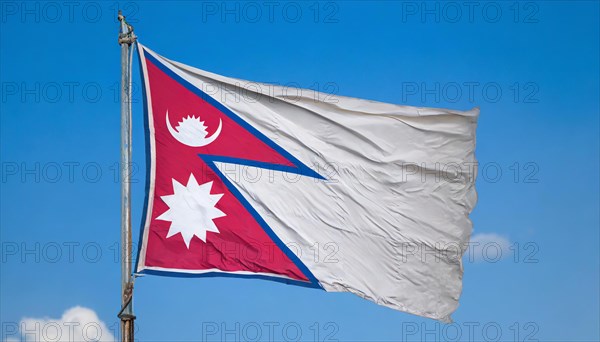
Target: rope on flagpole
129	296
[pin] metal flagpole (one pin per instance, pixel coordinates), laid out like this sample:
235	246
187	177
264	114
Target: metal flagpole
126	39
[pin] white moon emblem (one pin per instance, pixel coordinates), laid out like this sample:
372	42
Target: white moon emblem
192	132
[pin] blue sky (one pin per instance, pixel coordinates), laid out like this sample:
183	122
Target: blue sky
532	68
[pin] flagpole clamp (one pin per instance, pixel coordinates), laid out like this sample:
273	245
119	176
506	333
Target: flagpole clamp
126	35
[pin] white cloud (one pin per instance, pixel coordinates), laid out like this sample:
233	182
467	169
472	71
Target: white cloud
488	247
76	324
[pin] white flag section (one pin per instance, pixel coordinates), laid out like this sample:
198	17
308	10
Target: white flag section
390	220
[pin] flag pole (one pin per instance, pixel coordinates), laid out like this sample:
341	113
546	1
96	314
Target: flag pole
126	39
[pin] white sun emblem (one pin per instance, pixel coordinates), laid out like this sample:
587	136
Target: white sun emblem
191	210
191	131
